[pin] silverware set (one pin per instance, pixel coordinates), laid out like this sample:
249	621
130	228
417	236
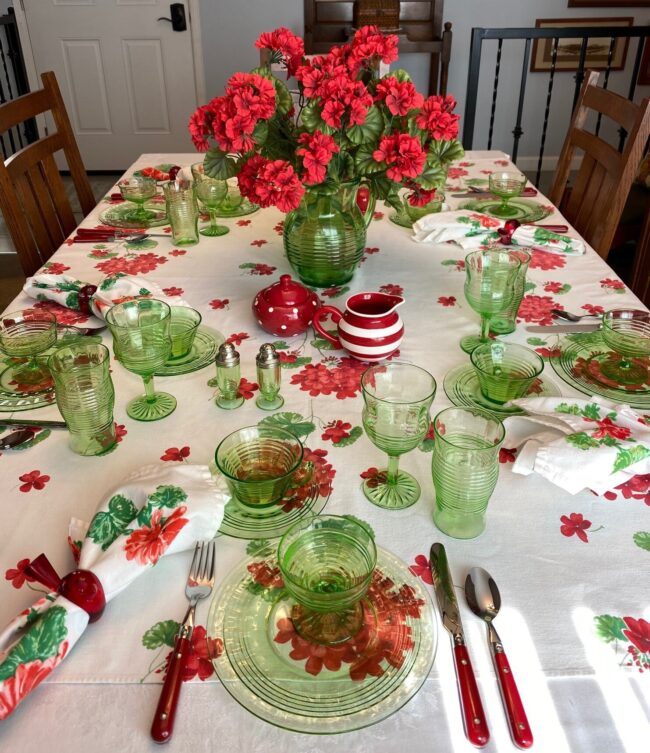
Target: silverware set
571	323
484	600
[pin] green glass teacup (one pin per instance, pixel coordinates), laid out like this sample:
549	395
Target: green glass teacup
327	564
260	463
505	371
182	330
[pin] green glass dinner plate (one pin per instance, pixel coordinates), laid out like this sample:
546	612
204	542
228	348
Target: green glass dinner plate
528	210
15	396
202	352
462	388
579	366
291	683
118	215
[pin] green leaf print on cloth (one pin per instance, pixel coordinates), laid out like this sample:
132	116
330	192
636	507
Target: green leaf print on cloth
41	642
161	634
642	539
107	526
298	425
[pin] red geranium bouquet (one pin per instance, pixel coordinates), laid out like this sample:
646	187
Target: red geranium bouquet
348	124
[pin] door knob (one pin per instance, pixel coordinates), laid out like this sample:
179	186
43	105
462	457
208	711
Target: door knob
177	20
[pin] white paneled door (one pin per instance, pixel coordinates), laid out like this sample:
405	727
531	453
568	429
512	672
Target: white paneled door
127	78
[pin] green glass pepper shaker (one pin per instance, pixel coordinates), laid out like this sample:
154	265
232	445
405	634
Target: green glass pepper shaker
228	377
269	378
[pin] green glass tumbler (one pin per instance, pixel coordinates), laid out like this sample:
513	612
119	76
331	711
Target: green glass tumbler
397	398
85	395
505	321
182	212
182	330
324	238
505	371
465	468
327	564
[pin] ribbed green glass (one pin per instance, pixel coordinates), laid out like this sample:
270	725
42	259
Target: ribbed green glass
182	330
505	371
26	334
506	321
627	332
183	213
210	192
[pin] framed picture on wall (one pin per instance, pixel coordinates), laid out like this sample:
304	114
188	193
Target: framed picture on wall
568	50
609	3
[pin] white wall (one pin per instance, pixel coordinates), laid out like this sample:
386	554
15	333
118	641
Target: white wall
230	27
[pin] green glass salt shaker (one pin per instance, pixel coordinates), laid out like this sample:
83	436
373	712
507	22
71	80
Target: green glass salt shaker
269	378
228	377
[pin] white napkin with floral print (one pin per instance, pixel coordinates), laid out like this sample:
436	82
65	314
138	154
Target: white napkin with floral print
590	443
471	230
118	288
156	511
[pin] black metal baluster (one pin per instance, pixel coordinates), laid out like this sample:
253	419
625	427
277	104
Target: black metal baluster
497	69
610	55
635	74
3	99
580	73
547	110
517	131
472	87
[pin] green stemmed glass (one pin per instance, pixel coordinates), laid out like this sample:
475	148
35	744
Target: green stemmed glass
506	186
397	397
627	332
489	288
211	192
138	189
24	335
142	344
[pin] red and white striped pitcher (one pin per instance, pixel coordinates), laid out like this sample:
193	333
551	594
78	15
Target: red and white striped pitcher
370	329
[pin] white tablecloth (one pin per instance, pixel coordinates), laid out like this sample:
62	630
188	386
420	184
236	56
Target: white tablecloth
577	689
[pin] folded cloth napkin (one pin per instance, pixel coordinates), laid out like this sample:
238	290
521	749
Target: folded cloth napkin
589	444
155	512
471	230
94	300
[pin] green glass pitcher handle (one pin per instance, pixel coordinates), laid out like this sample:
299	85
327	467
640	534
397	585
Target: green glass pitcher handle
320	313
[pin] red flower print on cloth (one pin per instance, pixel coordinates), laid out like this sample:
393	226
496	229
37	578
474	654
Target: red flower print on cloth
591	308
343	380
176	454
54	268
259	243
553	287
331	292
421	569
507	454
120	432
258	269
147	544
456	172
485	221
370	250
33	480
17	575
247	389
336	431
575	523
317	655
27	677
374	477
637	487
219	303
75	548
391	289
199	659
607	428
638	633
377	215
178	252
237	337
279	227
265	575
131	264
322	477
537	308
244	223
546	260
63	315
610	284
173	291
447	300
549	352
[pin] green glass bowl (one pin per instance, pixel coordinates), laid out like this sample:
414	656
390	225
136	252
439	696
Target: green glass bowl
182	330
627	331
505	371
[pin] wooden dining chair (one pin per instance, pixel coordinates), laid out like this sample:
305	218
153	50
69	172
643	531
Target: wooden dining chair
33	198
595	201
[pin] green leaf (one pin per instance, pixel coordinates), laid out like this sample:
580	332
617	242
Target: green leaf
281	345
268	594
426	445
260	548
72	301
529	286
400	74
355	433
161	634
629	456
365	162
41	642
167	496
370	130
293	422
591	410
447	151
642	539
570	408
260	132
105	527
535	341
300	361
283	99
219	165
311	118
582	440
609	628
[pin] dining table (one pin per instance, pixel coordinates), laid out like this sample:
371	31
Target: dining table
572	569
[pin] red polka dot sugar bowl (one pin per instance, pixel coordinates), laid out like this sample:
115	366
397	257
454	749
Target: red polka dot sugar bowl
285	308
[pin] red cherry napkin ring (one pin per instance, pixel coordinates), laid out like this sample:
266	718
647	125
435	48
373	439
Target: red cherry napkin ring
83	298
507	230
81	587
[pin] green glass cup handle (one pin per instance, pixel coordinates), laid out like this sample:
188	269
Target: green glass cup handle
320	313
302	475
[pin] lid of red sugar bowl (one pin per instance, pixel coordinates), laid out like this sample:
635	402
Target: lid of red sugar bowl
286	292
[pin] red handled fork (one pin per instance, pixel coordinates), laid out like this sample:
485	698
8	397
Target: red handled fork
199	586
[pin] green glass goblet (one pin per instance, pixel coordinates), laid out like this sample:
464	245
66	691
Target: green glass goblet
142	344
397	397
489	288
23	336
627	332
505	321
138	189
506	185
211	192
327	564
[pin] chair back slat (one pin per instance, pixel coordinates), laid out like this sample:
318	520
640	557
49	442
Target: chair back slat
36	220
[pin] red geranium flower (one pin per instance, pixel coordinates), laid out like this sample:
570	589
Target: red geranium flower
336	431
317	153
507	454
422	569
63	315
120	432
591	308
270	183
400	96
219	303
549	352
331	292
612	284
546	260
244	223
33	480
289	47
178	252
344	380
553	287
259	243
638	633
54	268
176	454
444	300
148	543
131	264
173	291
237	337
456	172
438	119
75	548
247	389
269	577
374	477
575	523
17	575
607	428
199	659
403	154
391	289
537	308
485	221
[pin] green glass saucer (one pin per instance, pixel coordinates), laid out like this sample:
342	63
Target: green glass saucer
14	397
291	683
462	388
274	521
204	347
579	365
118	215
527	209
